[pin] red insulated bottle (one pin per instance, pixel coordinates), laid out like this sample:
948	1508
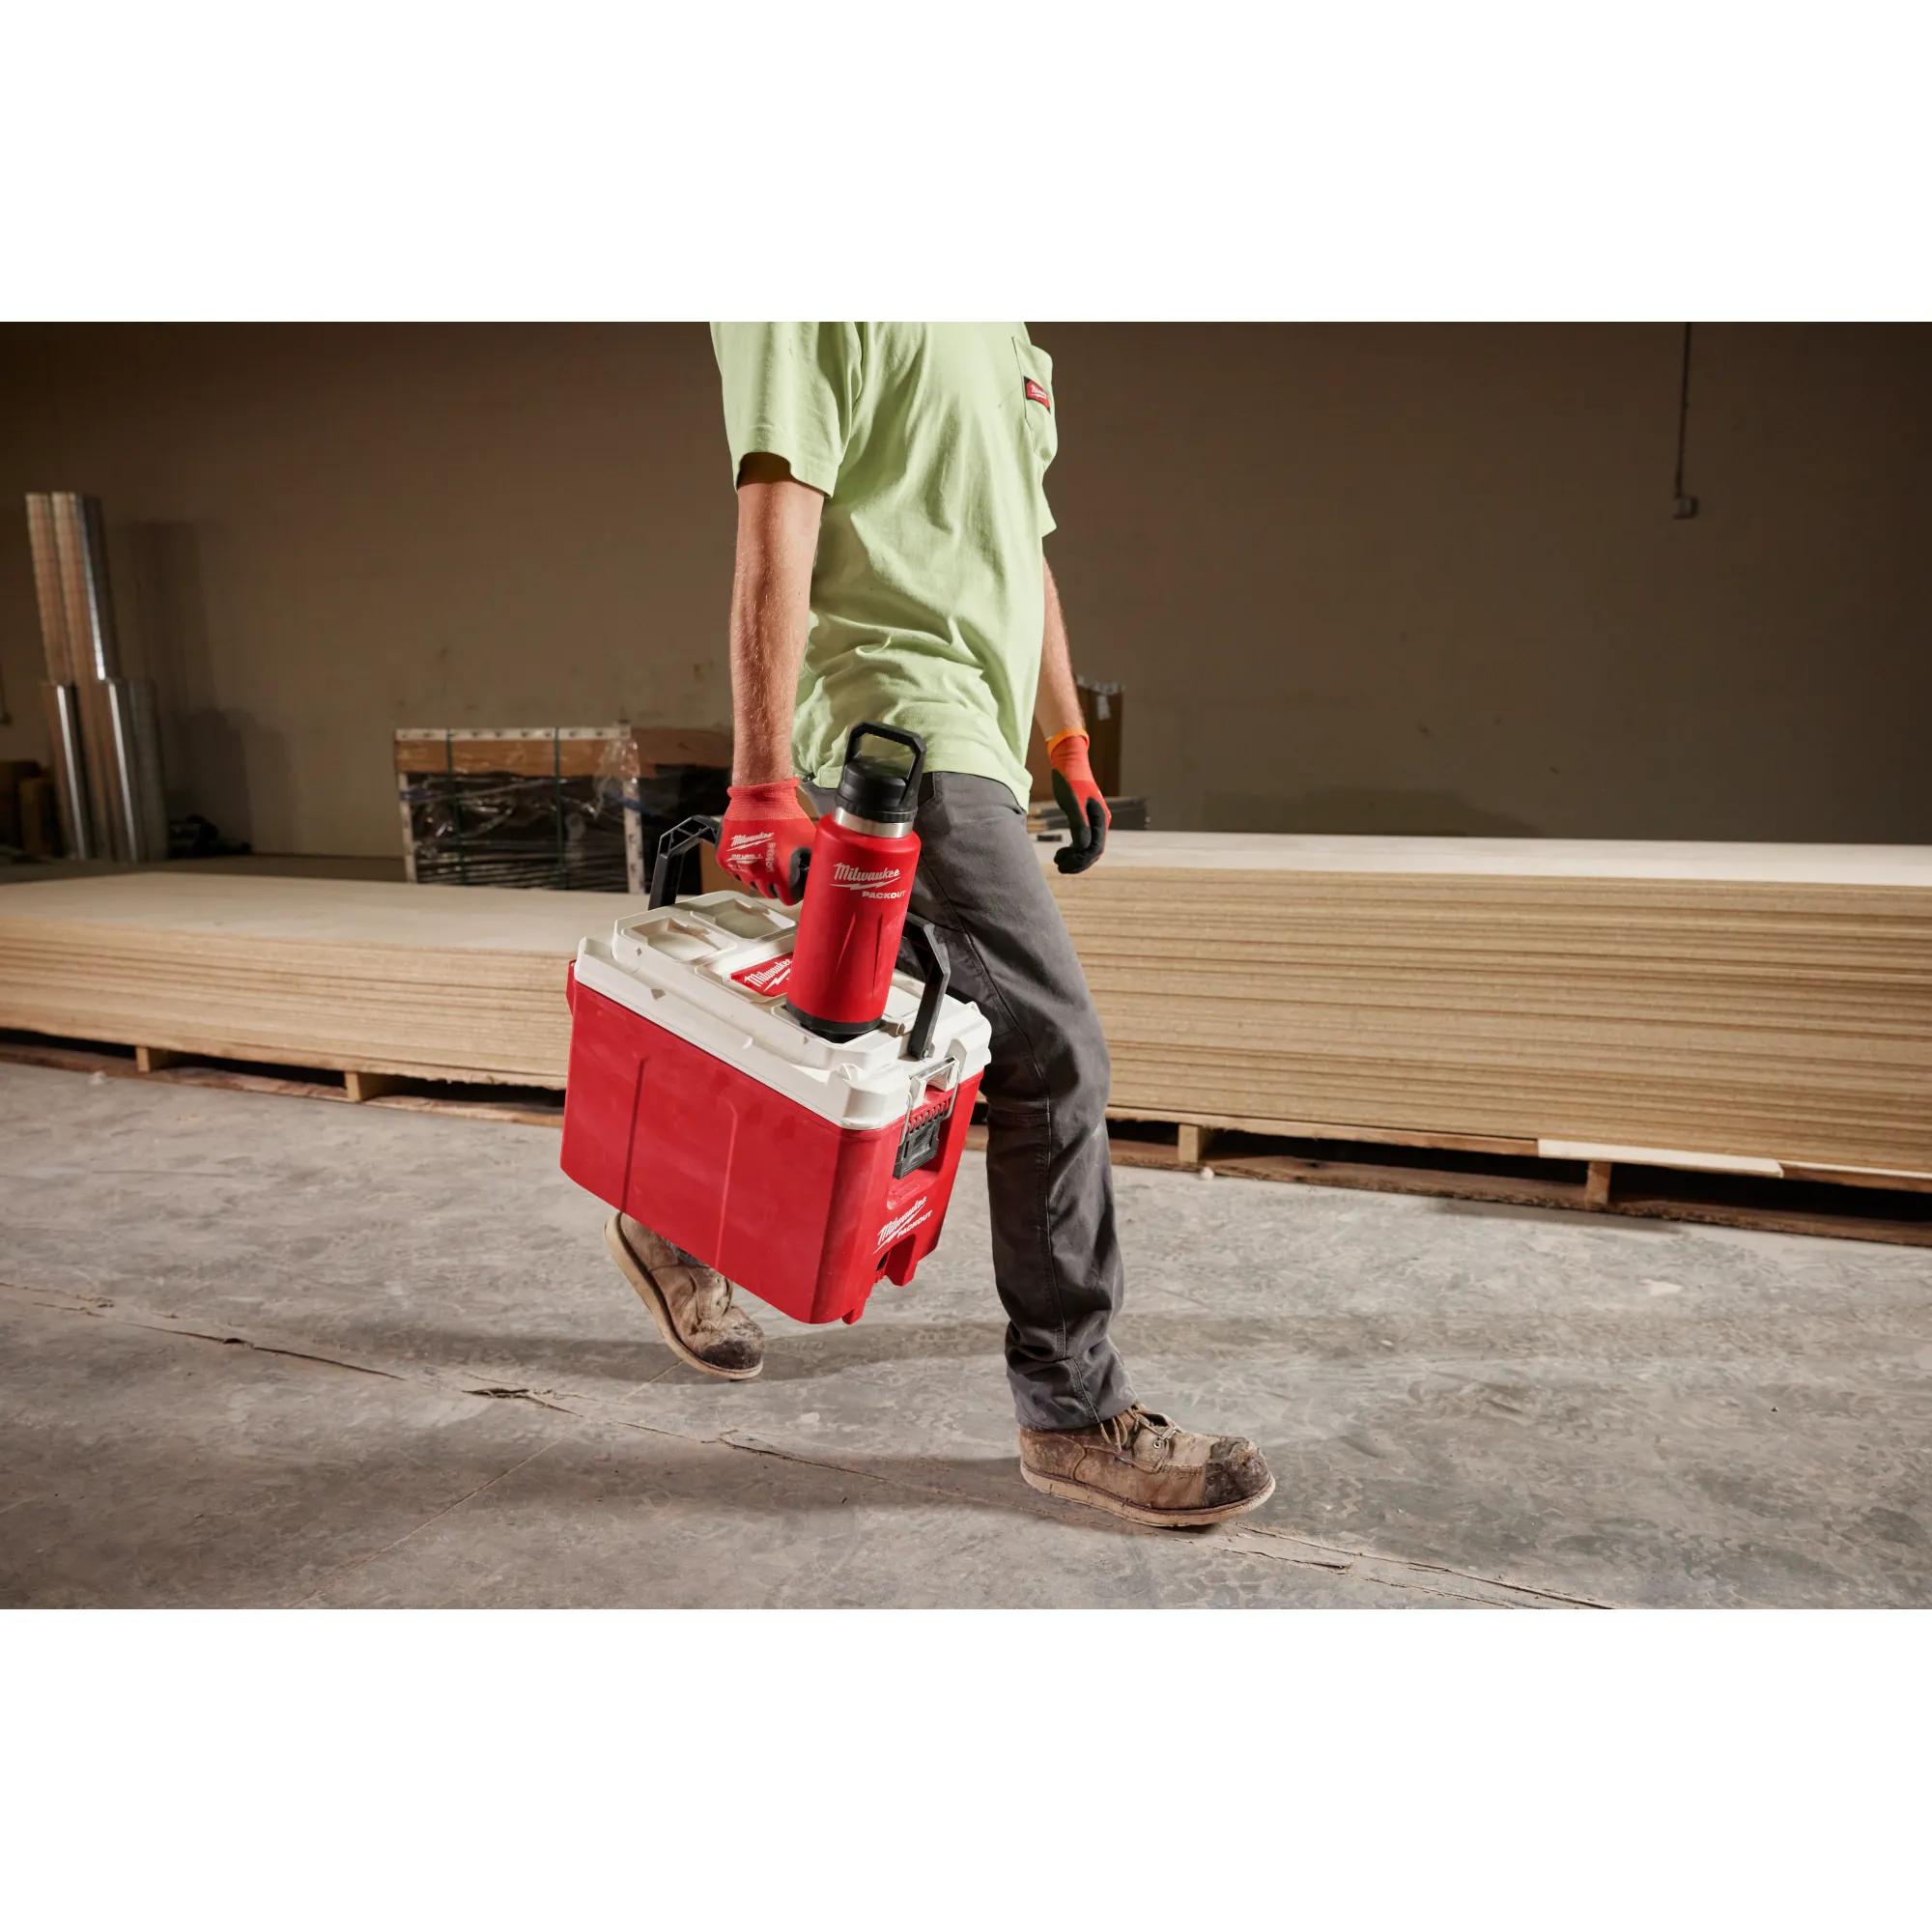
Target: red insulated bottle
862	860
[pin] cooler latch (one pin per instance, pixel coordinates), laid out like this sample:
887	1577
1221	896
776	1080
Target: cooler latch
924	1126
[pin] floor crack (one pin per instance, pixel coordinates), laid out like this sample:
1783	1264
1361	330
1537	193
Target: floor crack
263	1348
1529	1591
94	1305
535	1396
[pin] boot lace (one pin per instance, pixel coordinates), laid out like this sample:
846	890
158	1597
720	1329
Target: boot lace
1120	1430
712	1302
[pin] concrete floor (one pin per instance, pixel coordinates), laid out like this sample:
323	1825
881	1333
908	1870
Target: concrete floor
268	1351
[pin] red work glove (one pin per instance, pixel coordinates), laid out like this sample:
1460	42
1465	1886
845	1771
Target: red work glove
765	841
1079	797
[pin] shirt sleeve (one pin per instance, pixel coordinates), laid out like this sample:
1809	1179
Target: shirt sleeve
791	390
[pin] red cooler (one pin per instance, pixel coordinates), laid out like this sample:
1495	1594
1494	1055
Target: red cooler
801	1168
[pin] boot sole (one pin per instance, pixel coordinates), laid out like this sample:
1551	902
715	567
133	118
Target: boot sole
640	1278
1072	1492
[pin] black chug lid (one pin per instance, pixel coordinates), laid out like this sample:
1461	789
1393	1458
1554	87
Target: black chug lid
876	788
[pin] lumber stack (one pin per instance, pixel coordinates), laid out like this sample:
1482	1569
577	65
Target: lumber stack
310	971
1767	1002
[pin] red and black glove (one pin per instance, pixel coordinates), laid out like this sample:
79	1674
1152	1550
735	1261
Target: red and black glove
765	841
1079	798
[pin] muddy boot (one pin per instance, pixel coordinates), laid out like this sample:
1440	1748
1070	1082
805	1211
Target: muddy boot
691	1303
1148	1469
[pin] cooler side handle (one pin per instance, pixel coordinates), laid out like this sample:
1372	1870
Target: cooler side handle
931	948
671	847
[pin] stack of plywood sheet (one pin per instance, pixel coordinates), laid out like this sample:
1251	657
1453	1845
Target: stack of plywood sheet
1750	1003
314	971
1754	1002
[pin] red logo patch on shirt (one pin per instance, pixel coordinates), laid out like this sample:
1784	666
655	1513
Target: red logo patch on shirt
1036	394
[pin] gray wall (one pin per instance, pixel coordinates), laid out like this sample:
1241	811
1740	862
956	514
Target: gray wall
1355	578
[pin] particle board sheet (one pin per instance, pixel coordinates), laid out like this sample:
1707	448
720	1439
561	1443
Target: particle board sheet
315	972
1758	1001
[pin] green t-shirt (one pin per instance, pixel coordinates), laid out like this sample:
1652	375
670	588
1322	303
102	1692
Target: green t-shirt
931	441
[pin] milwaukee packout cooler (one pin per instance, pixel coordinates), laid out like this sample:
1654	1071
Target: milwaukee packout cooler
802	1169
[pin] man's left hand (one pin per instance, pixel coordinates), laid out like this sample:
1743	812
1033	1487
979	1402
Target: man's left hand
1079	798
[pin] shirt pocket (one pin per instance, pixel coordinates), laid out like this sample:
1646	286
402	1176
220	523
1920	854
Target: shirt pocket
1042	431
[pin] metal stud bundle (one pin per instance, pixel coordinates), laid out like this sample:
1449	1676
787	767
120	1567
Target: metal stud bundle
106	741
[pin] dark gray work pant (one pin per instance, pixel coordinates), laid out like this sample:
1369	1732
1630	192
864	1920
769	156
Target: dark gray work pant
1056	1250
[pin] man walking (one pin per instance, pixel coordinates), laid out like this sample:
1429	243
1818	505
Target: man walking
892	508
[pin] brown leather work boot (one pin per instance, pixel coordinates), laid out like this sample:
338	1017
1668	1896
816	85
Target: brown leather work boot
1148	1469
691	1303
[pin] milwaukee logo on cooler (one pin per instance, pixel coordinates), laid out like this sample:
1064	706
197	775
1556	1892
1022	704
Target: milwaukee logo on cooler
858	878
903	1224
767	976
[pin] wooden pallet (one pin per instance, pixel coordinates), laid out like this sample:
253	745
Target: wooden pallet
1846	1203
1841	1203
360	1086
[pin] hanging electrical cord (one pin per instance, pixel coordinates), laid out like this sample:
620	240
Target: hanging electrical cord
1683	505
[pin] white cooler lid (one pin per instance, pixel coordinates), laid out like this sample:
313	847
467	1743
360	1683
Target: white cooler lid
713	970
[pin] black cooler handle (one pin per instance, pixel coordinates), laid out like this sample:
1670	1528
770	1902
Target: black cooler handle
671	847
930	950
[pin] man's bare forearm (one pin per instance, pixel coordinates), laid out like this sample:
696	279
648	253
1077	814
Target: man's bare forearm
1056	707
771	613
